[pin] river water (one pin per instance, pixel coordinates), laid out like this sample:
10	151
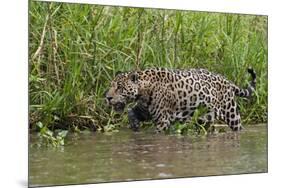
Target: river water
127	155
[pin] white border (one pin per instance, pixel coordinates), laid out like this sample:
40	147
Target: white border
234	6
14	91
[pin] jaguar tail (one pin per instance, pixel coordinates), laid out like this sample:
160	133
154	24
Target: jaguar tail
250	89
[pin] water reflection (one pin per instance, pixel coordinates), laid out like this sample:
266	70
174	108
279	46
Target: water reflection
129	156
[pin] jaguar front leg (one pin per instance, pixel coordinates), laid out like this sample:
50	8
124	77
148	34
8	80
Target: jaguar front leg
162	126
208	118
162	121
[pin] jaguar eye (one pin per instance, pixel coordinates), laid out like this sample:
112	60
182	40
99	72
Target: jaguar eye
120	88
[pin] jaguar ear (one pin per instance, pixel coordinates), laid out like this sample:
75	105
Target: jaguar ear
118	72
134	77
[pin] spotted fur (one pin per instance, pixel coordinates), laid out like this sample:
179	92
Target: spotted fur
165	96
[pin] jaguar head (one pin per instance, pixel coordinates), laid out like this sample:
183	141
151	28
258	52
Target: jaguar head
124	89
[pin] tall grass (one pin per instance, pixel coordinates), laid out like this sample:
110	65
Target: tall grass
75	50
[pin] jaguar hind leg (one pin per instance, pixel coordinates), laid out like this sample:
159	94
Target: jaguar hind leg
232	116
234	122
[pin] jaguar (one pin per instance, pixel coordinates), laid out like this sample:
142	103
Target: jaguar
165	96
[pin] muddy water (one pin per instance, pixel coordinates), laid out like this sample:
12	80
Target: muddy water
126	155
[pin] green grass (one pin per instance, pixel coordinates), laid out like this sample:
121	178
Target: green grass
75	50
